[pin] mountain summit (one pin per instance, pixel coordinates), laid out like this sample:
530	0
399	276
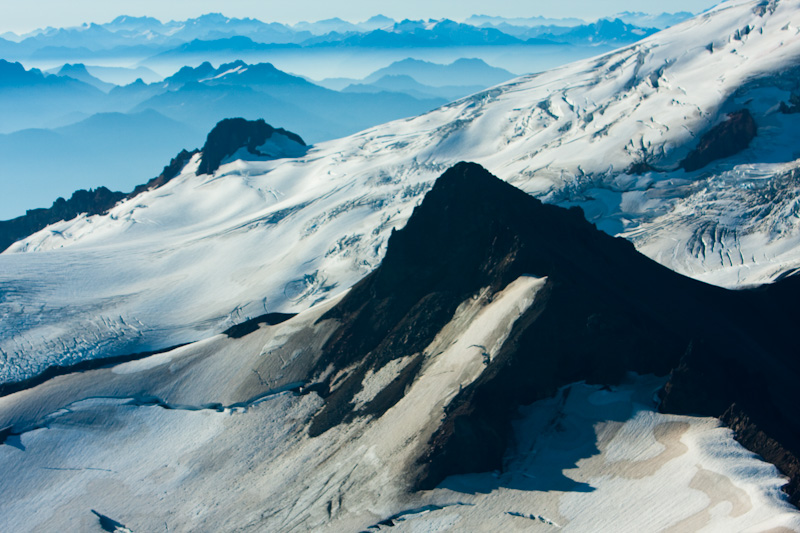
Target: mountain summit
487	300
604	310
237	138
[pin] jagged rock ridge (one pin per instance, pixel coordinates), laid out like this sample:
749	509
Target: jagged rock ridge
170	171
606	310
91	202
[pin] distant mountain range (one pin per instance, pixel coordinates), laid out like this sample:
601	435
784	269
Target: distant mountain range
201	96
460	72
603	31
97	133
527	22
71	89
144	37
204	95
28	98
661	21
424	79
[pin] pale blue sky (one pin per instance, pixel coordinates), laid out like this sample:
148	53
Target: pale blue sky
31	14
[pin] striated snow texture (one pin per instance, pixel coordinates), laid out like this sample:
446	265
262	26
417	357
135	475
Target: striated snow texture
212	437
189	259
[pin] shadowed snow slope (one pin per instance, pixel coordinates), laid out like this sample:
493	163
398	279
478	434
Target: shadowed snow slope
205	251
333	419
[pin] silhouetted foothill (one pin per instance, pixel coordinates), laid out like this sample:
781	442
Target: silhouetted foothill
723	140
92	202
231	134
605	310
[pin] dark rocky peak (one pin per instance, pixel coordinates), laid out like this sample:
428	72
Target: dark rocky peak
793	106
605	310
727	138
232	134
473	231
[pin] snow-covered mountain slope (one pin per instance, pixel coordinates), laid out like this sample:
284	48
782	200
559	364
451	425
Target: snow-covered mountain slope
331	420
252	468
189	259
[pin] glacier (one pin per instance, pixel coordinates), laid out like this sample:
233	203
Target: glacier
187	260
328	420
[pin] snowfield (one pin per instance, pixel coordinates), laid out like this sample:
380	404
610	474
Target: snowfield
212	437
185	261
275	430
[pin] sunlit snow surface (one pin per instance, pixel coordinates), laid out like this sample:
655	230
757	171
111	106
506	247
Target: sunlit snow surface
208	438
187	260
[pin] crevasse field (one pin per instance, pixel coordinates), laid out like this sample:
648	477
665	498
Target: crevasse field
211	436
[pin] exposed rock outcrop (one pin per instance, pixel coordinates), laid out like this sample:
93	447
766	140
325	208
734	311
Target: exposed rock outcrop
750	386
232	134
224	140
749	433
723	140
793	106
93	202
170	171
